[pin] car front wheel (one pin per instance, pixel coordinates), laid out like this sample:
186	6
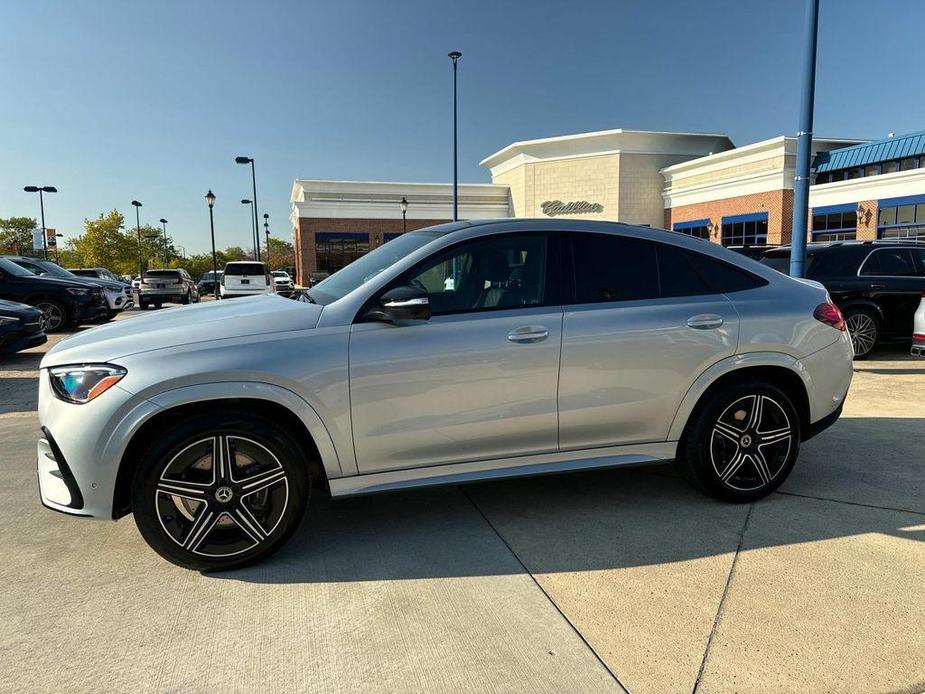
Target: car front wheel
220	491
54	314
742	444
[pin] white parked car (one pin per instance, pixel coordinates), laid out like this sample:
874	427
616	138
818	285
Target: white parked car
246	278
918	330
282	281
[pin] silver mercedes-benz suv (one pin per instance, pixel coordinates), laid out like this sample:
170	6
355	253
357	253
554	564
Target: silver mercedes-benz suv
461	352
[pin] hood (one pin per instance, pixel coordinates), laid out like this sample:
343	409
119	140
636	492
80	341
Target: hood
97	282
65	281
14	308
214	320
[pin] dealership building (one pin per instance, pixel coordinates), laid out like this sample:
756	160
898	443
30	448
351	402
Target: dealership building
693	183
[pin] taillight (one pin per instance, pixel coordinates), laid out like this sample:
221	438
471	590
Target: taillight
830	315
142	281
918	337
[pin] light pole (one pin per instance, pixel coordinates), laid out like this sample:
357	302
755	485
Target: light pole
404	210
40	190
255	237
804	143
455	56
164	224
250	160
210	201
266	229
138	233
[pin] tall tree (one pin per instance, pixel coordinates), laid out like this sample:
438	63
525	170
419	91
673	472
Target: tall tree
281	254
16	235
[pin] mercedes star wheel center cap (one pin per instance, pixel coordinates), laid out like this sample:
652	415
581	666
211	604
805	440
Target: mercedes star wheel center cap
223	494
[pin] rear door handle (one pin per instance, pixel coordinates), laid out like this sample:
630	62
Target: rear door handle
878	286
528	334
704	321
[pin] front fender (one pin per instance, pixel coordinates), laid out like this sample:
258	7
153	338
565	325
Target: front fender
257	391
723	367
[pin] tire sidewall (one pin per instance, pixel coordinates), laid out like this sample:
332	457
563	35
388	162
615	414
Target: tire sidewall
695	461
172	441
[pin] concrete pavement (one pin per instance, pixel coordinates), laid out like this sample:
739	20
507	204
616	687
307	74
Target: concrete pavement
577	583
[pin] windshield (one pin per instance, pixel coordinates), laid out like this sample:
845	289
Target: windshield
54	270
207	276
14	269
83	273
278	273
364	268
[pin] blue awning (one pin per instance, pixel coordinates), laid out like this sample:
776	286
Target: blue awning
691	224
753	217
871	152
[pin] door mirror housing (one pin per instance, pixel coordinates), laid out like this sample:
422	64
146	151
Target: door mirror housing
402	304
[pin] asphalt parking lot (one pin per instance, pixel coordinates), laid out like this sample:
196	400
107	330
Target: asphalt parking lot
579	583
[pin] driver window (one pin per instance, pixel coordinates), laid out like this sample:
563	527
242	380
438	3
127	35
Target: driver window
484	274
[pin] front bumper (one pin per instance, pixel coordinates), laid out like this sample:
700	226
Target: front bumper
18	340
81	447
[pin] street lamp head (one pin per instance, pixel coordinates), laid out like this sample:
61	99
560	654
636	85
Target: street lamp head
210	199
266	215
245	202
454	56
163	221
242	160
403	204
136	203
31	189
49	189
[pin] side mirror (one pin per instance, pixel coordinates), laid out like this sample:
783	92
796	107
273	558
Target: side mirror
402	303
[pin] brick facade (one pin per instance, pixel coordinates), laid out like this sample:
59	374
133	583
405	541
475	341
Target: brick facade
867	220
306	260
778	204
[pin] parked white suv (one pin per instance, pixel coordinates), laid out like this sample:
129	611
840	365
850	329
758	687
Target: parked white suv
246	278
561	346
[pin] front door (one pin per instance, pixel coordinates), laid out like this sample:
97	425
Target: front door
478	380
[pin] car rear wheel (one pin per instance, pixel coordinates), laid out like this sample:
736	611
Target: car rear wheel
220	491
54	314
864	328
187	299
742	444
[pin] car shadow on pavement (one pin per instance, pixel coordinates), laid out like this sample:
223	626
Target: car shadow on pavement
21	361
18	394
609	519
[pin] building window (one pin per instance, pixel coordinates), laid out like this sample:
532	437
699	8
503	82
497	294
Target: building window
902	218
890	167
746	230
335	250
835	223
873	170
698	228
886	167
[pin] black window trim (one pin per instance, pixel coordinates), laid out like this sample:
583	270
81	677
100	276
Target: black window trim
553	280
569	275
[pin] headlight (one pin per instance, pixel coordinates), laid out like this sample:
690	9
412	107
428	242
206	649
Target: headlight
81	384
77	292
6	320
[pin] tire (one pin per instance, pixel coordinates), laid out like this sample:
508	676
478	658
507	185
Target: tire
730	455
203	517
157	304
143	305
188	299
54	313
864	327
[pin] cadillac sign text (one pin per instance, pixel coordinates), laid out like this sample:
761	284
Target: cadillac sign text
557	207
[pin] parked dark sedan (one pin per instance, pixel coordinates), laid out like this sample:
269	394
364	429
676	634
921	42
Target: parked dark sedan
876	284
21	327
63	302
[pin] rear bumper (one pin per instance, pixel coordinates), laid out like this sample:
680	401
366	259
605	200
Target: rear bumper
827	375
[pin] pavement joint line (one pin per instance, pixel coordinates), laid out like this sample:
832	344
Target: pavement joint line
514	554
722	600
852	503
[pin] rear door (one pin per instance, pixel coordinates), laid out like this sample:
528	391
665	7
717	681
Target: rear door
641	325
892	279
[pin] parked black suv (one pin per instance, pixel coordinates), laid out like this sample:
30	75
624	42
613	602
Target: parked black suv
63	302
21	327
876	284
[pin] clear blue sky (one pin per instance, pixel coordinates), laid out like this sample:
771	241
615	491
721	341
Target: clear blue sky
112	101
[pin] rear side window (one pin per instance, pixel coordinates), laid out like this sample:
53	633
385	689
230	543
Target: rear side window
721	277
613	268
781	263
838	261
244	269
895	262
677	276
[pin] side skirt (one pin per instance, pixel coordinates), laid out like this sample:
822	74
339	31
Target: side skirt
522	466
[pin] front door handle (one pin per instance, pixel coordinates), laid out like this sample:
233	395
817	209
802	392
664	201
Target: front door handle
878	286
704	321
528	334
